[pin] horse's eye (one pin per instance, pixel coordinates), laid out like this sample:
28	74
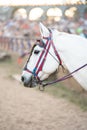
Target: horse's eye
36	51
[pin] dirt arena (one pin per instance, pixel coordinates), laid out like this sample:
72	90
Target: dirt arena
28	109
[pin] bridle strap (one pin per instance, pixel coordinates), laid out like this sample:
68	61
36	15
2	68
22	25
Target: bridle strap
37	69
43	61
39	66
43	55
56	53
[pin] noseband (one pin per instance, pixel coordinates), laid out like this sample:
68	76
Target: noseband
40	62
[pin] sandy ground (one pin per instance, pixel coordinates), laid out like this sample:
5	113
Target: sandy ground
27	109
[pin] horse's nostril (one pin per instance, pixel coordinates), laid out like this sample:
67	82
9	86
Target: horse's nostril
22	78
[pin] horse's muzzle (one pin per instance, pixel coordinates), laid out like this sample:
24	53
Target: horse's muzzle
29	83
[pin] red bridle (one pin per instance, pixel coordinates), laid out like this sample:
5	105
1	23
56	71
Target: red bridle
40	62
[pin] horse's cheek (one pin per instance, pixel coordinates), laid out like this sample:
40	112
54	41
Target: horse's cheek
50	68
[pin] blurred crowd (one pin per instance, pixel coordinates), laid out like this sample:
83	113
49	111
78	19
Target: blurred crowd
18	28
25	28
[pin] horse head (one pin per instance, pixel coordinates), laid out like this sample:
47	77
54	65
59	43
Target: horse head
42	62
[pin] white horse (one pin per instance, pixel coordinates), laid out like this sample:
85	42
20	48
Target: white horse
72	52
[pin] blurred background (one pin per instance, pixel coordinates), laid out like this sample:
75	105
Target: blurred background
19	21
20	18
19	29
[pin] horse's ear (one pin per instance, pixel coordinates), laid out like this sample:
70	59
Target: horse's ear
44	31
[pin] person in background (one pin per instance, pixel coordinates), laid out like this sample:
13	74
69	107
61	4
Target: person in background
84	32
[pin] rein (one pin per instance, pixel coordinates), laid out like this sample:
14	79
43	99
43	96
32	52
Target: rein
64	77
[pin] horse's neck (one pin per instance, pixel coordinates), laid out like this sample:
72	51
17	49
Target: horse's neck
71	49
73	52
